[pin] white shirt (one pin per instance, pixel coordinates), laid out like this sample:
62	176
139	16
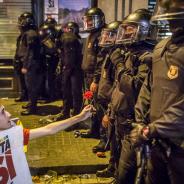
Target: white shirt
14	168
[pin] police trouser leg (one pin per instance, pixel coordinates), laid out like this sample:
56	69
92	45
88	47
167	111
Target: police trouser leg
165	169
114	151
23	88
100	113
33	83
127	164
76	89
51	77
67	94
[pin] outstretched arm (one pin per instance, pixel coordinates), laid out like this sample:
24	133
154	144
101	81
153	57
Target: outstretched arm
61	125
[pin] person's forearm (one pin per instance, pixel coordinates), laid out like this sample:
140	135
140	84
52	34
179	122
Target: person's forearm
63	124
54	127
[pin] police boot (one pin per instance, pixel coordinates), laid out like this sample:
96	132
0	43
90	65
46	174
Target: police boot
26	106
29	111
100	147
107	172
21	99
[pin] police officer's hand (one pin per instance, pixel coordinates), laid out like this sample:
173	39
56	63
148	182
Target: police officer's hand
117	56
139	135
24	70
105	121
93	87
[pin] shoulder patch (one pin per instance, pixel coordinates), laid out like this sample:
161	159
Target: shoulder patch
173	72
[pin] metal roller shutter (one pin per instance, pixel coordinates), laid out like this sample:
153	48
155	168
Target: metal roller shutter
9	12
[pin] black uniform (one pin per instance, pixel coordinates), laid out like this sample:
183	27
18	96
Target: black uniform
106	73
165	101
94	21
72	75
18	64
89	62
166	112
30	55
48	34
131	73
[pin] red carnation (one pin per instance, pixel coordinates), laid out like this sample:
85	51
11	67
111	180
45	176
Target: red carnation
88	95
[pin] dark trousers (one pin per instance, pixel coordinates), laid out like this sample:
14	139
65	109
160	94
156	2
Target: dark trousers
127	164
115	146
33	79
50	76
165	169
72	91
96	126
22	84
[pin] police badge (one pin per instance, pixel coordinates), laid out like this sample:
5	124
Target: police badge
173	72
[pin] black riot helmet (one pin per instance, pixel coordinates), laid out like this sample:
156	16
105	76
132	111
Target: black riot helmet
47	34
168	10
108	34
135	27
72	27
93	19
26	21
50	21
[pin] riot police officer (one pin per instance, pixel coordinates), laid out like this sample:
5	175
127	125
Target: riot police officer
18	64
48	35
72	75
50	21
29	53
94	21
106	73
131	70
166	164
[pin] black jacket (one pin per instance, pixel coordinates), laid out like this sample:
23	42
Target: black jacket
130	77
28	50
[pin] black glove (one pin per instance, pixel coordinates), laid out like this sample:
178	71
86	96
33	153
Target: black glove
17	66
139	135
117	56
142	133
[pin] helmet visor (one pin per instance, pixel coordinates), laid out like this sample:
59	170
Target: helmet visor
126	33
167	10
68	30
88	22
107	38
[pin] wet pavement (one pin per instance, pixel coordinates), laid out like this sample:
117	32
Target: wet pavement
69	157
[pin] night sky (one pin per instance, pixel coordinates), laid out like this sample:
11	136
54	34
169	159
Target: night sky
74	4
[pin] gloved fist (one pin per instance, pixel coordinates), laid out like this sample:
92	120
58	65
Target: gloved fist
117	56
139	135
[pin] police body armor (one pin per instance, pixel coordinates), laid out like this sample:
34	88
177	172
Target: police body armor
29	38
128	87
106	81
91	50
167	94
